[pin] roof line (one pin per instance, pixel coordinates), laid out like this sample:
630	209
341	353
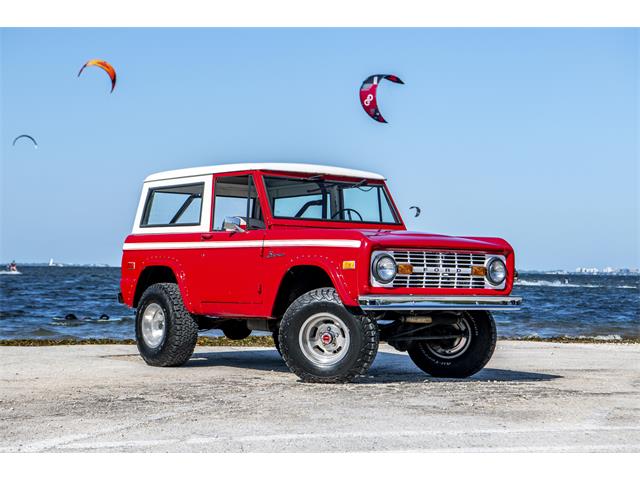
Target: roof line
285	167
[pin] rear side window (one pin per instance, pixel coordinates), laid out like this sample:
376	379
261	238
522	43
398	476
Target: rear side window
179	205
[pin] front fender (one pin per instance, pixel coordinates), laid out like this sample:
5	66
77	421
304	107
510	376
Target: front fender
344	281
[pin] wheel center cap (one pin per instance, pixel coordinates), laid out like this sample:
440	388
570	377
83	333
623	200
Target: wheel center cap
326	338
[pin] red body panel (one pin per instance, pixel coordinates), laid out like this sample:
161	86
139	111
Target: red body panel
241	277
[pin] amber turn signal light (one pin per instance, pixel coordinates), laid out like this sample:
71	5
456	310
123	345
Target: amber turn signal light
405	268
349	265
479	271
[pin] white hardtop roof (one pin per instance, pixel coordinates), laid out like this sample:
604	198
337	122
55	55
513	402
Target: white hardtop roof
281	167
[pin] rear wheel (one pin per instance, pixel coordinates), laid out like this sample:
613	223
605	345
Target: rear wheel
322	342
469	346
166	333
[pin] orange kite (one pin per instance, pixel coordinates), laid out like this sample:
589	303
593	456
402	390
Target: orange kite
106	66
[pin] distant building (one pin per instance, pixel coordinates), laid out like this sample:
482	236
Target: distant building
590	270
607	271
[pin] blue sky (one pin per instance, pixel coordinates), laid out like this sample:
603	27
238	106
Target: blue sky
527	134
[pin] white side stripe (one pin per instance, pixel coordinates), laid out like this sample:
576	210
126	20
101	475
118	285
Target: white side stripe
313	243
241	244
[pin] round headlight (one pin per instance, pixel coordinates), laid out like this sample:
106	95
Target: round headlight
496	271
384	269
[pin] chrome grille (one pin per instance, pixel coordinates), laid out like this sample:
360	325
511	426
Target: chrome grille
433	269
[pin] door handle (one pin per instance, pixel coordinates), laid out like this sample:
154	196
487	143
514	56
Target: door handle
206	236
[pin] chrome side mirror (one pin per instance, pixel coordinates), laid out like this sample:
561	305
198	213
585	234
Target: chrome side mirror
234	224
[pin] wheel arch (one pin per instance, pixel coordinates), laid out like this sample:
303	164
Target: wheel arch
166	271
300	278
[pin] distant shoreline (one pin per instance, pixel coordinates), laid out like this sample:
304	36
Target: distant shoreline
267	341
626	272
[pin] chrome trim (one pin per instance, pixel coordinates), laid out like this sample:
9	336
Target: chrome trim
439	269
375	257
428	303
490	261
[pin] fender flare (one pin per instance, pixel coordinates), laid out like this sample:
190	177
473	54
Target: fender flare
178	271
346	289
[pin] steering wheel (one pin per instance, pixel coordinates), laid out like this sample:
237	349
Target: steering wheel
349	210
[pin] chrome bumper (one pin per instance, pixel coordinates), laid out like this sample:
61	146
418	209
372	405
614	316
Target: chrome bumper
426	303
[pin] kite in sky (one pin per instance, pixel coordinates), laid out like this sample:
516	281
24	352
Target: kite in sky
106	66
29	137
417	211
368	91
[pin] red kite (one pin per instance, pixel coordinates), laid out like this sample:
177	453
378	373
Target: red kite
368	91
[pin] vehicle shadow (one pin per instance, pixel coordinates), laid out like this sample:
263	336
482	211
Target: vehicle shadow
387	368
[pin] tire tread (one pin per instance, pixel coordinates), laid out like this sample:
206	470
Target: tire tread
181	340
367	352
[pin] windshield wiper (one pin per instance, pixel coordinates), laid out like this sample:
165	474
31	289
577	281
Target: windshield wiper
315	178
361	183
320	180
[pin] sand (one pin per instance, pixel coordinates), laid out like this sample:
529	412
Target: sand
531	397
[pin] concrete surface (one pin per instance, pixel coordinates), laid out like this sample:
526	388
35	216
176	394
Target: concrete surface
531	397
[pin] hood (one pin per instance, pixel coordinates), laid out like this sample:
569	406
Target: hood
407	239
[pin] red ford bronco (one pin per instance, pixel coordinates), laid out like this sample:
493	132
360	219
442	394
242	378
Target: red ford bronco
318	256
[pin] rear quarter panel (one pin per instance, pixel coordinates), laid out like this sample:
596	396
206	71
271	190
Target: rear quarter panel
182	262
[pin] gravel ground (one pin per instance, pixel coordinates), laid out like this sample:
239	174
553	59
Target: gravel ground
531	397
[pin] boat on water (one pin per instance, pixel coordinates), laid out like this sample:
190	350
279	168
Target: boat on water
11	269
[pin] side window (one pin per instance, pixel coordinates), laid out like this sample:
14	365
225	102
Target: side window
236	197
179	205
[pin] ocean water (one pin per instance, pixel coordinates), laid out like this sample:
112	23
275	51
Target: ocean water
34	304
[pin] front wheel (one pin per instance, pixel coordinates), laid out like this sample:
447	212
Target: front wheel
468	348
322	342
166	333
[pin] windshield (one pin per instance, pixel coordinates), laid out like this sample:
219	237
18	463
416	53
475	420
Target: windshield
315	198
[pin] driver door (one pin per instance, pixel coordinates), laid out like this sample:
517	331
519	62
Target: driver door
232	257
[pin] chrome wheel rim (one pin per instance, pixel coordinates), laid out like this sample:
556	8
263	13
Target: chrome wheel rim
324	339
456	347
153	325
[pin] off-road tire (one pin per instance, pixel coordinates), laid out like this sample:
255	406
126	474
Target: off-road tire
276	341
181	331
479	352
362	348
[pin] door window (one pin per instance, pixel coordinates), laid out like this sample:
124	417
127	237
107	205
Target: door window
236	196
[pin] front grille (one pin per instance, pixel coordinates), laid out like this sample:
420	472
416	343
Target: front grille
440	269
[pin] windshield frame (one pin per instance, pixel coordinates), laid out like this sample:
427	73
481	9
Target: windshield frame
332	223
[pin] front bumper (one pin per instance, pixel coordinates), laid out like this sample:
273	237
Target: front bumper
373	303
